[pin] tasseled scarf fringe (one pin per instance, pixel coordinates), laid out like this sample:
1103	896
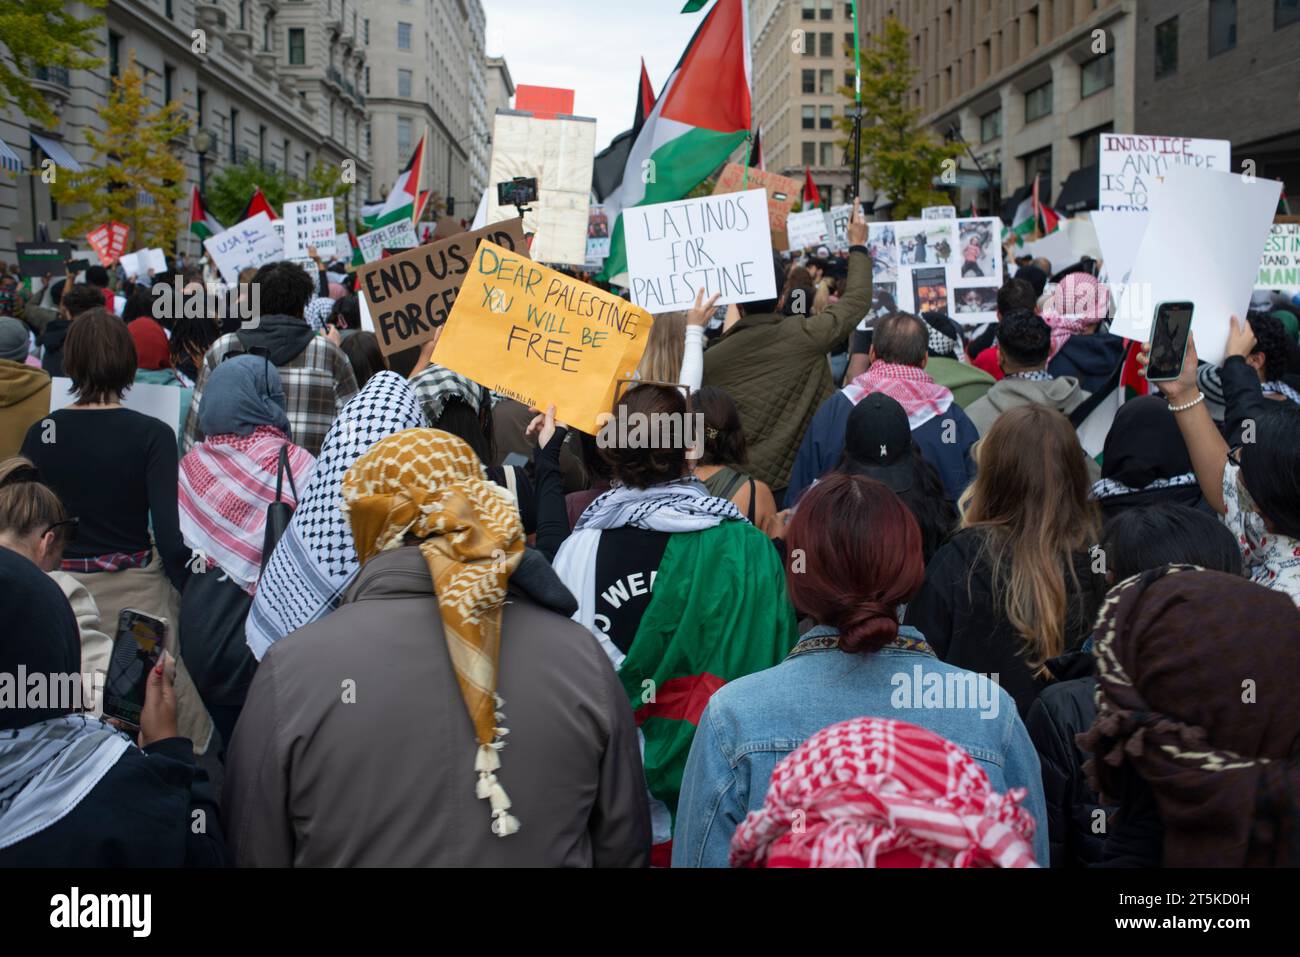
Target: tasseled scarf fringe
488	788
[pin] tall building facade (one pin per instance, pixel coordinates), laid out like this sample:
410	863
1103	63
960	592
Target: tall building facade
1029	85
500	87
802	60
273	82
426	60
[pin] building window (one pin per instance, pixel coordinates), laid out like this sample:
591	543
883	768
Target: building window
1223	26
827	118
809	154
297	46
114	54
367	81
403	135
266	34
404	83
365	31
828	9
1038	102
826	83
809	43
1167	48
828	156
167	9
1098	75
1090	145
261	144
201	105
991	126
234	135
810	117
1039	164
809	84
1285	13
403	36
169	77
827	44
809	11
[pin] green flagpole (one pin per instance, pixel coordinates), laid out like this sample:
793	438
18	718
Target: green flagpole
857	97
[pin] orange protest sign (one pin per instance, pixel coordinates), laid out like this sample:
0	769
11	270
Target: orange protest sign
541	337
782	192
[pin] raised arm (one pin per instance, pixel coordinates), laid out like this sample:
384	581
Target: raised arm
830	328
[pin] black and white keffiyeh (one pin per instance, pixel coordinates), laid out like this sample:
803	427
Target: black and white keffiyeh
681	506
434	386
315	561
1110	488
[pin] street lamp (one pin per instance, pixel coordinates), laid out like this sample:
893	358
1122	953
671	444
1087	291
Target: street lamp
202	144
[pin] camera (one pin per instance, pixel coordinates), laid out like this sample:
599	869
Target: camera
519	191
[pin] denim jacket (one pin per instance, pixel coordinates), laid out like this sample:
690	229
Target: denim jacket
753	722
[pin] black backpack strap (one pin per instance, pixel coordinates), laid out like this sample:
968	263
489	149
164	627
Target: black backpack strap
281	470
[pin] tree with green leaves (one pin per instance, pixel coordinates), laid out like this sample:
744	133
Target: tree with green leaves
229	189
138	177
41	34
900	157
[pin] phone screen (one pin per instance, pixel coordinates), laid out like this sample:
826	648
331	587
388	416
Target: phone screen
136	649
1173	327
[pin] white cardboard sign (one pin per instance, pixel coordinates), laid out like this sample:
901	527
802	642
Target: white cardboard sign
1203	244
1133	166
309	223
161	402
807	230
244	245
720	244
139	263
398	235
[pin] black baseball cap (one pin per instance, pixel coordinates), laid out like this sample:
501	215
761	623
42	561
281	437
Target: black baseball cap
878	442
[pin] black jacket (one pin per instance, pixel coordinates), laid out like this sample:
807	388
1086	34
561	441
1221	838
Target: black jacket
965	624
51	340
1077	822
281	338
144	812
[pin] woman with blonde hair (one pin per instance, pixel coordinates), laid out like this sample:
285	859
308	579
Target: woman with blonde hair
674	353
1021	582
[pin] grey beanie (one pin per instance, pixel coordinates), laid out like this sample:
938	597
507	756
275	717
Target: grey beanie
14	340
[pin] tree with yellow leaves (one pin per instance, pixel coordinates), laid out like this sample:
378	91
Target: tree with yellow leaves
138	177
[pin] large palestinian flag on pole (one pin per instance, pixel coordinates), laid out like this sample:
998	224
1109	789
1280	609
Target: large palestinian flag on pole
202	223
404	196
701	117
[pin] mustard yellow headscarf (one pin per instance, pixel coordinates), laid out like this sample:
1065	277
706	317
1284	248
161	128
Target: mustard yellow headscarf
430	485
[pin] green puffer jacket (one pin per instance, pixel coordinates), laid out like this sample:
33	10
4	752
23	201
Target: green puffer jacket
776	370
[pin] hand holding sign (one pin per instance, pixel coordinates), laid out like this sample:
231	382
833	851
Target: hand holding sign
539	336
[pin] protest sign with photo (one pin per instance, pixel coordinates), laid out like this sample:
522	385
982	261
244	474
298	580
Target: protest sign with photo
1132	166
398	235
309	223
1203	245
108	241
837	224
720	244
882	241
1280	267
245	245
807	230
597	234
931	291
926	243
410	295
939	212
139	263
541	337
979	249
782	192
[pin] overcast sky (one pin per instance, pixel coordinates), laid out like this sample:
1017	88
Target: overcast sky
593	47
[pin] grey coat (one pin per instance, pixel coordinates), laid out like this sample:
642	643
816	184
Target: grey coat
388	779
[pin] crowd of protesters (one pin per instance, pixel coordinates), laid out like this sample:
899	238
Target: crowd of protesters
884	611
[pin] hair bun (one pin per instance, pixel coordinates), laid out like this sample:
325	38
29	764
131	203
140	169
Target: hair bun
868	627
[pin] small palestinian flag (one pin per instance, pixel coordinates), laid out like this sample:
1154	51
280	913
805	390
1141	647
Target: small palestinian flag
403	197
202	223
257	203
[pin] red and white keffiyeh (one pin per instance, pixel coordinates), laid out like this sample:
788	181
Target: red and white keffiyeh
1075	306
226	483
920	396
874	792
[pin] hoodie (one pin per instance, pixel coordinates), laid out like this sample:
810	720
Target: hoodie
24	400
281	337
1062	394
51	342
966	382
1090	359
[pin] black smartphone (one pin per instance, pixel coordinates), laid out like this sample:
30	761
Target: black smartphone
136	650
78	265
1169	338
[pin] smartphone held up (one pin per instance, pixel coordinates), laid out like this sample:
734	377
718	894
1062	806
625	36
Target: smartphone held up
137	649
1169	337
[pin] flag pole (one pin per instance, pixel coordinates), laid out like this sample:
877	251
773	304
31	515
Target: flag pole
857	112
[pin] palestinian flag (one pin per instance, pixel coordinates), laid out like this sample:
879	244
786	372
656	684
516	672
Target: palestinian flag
404	196
1033	216
718	611
356	259
257	203
607	170
202	223
811	195
701	117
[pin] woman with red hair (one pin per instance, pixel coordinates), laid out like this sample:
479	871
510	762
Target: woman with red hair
853	563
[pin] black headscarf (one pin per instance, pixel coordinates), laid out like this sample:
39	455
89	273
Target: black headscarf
40	632
1144	444
1034	276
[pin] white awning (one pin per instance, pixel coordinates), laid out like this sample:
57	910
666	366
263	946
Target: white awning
9	159
57	152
